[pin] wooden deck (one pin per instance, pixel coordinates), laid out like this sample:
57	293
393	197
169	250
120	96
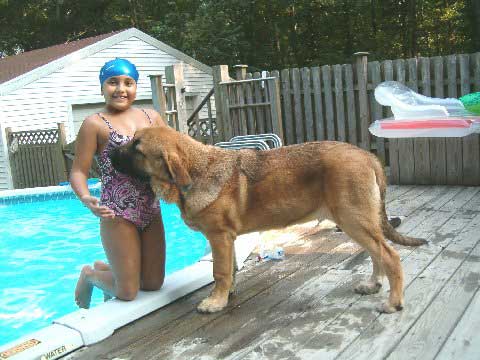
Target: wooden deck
304	307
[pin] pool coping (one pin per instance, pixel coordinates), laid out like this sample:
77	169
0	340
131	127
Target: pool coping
85	327
27	195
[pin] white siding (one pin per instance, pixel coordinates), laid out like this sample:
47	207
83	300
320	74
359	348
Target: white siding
5	177
47	101
80	112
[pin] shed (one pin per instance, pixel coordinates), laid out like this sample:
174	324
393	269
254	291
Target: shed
59	84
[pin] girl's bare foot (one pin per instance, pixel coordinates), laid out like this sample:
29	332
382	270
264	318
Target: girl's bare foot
84	288
101	266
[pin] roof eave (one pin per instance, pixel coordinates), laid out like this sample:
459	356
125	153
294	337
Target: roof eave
44	70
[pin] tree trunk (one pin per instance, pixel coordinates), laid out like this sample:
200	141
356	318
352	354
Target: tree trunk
476	24
412	28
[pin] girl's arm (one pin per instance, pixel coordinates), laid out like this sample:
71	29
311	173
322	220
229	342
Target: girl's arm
85	148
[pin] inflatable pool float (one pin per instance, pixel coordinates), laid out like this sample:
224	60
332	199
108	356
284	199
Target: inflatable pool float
416	115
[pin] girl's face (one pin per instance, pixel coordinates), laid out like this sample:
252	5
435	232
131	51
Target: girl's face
119	92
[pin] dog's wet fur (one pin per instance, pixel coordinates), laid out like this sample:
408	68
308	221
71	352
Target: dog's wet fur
224	193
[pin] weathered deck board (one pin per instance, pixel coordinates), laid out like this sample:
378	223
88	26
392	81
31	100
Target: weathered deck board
381	337
267	345
394	191
276	278
328	336
425	337
463	342
304	307
275	308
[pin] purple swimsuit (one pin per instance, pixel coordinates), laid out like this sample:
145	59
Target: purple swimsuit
129	198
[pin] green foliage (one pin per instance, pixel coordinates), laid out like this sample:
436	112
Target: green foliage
265	34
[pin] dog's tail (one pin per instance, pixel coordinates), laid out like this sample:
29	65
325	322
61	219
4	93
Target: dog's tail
387	228
392	234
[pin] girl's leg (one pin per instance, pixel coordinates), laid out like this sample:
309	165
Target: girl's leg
153	255
122	245
102	266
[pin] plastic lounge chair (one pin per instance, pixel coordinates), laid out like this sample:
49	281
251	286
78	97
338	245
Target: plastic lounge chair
407	104
271	138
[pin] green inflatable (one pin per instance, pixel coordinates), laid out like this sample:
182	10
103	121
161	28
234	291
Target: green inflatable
471	102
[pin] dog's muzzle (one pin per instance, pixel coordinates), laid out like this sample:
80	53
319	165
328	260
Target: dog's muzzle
122	161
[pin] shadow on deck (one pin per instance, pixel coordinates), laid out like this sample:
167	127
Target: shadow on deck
304	307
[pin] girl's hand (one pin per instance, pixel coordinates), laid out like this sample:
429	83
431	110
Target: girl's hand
93	204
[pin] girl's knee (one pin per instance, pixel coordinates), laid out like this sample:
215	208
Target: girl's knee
127	292
153	284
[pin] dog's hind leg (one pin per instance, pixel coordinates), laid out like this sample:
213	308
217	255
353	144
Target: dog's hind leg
223	265
385	260
372	285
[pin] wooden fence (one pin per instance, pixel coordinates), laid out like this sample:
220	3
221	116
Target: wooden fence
36	157
246	105
336	102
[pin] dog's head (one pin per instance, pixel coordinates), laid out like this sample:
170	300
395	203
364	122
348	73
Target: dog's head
155	154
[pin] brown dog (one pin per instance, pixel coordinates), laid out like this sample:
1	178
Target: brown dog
225	193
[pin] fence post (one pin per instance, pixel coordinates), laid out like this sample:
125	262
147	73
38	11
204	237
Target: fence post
11	171
158	95
174	75
8	131
275	107
240	72
361	62
220	74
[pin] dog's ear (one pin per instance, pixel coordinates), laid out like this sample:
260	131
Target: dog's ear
179	173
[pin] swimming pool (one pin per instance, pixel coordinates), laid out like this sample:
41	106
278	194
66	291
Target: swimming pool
45	239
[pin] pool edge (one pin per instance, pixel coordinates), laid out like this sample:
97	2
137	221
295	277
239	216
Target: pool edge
86	327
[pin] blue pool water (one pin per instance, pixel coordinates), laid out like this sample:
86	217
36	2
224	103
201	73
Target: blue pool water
43	246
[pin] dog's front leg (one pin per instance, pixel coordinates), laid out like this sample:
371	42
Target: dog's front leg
223	263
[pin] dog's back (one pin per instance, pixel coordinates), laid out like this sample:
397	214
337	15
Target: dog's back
296	183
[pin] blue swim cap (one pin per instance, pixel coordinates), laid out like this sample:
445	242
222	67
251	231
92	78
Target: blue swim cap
118	67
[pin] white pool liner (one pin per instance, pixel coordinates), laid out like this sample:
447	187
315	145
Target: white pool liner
86	327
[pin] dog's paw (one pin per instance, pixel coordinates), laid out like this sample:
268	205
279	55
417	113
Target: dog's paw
211	305
232	291
233	288
387	308
367	288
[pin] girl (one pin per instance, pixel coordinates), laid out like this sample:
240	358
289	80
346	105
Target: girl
131	225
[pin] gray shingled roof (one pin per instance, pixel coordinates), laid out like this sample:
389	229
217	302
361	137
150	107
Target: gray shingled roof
16	65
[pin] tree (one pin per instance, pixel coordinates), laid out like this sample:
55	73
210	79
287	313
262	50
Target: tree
265	34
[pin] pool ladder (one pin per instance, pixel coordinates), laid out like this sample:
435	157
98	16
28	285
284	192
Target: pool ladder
259	142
